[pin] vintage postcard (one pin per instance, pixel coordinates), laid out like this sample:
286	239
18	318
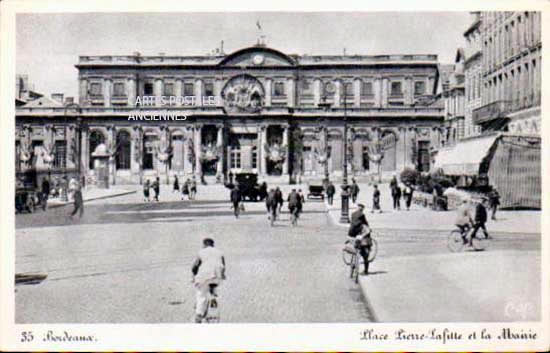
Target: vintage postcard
274	177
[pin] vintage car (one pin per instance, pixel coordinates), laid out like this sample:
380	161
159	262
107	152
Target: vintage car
316	191
248	184
26	200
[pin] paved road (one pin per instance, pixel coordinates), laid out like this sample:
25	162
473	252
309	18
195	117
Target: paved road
126	261
129	262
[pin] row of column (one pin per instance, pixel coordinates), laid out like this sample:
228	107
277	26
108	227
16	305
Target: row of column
262	155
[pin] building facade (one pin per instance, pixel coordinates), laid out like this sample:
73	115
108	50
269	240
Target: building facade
256	110
472	74
511	72
452	94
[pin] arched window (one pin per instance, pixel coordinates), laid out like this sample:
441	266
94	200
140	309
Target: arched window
96	138
123	150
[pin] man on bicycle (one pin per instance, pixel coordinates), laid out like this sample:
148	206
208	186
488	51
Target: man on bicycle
464	219
359	230
208	272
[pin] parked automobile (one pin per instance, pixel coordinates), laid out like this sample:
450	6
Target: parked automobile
248	184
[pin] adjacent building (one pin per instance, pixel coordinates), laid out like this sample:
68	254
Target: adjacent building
259	110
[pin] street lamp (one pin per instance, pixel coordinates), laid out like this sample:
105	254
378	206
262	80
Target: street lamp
344	214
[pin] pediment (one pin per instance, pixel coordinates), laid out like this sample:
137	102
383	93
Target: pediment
257	57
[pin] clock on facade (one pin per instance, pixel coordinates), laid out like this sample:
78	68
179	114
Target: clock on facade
258	59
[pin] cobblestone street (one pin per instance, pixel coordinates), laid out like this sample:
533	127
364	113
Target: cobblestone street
127	261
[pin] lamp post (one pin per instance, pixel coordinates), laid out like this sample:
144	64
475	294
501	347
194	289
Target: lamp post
344	214
326	106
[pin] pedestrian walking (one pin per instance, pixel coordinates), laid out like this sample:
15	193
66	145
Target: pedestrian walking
45	192
302	201
354	191
408	194
480	218
396	195
156	188
192	189
78	203
376	200
331	190
360	225
271	204
185	190
176	187
146	187
236	198
280	201
494	202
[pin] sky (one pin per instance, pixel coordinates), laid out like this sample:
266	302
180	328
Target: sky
48	45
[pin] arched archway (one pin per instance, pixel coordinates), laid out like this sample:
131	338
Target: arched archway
123	150
96	138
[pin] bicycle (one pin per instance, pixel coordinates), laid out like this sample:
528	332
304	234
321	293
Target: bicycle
351	256
294	213
456	243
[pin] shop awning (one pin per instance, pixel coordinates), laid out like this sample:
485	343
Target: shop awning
465	157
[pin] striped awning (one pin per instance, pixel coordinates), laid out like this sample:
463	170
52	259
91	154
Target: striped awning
465	157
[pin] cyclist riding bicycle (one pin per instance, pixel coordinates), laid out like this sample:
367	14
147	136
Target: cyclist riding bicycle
294	203
360	231
464	220
208	272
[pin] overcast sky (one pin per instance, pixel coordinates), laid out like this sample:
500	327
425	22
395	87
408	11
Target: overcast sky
48	45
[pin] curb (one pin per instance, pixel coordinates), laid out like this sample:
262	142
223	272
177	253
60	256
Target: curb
94	198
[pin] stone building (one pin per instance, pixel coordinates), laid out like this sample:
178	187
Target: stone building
255	110
452	94
511	72
472	75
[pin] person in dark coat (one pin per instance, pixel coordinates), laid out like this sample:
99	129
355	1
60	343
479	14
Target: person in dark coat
408	194
78	202
185	190
45	192
271	203
176	184
376	200
280	201
359	225
156	188
396	195
263	191
192	189
302	201
146	187
354	191
494	202
294	202
331	190
236	198
480	219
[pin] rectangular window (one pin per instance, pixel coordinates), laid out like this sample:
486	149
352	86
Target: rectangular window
254	157
168	89
366	89
119	89
148	89
419	88
188	89
209	89
95	89
235	158
279	89
60	160
396	89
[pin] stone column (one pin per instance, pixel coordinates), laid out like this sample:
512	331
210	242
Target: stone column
218	86
83	91
157	91
285	145
409	90
187	165
316	92
431	83
84	154
179	91
385	90
111	143
337	93
268	83
107	83
198	150
219	145
290	92
357	92
131	91
377	88
262	141
199	87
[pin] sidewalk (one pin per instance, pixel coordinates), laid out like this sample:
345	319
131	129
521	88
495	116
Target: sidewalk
419	218
455	287
93	193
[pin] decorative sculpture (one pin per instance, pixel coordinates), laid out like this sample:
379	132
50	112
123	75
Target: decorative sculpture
243	93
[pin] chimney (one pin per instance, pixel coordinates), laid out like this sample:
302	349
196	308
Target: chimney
69	100
58	97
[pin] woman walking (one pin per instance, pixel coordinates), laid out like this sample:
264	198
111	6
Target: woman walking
146	188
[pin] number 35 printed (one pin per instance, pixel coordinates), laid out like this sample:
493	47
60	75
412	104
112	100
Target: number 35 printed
26	336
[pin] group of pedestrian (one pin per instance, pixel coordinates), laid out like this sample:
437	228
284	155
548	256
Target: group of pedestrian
188	189
155	185
404	191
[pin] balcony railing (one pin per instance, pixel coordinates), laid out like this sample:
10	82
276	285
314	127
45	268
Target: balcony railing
491	111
